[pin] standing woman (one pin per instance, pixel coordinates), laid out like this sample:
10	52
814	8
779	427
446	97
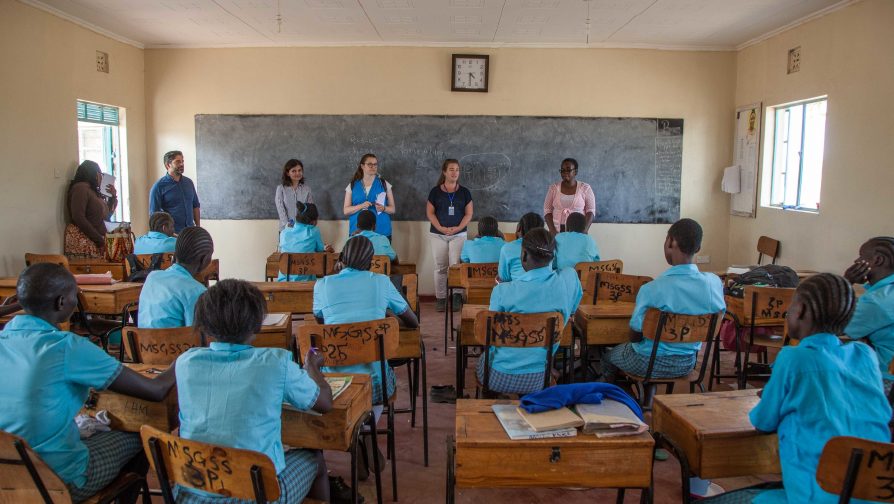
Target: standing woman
368	190
449	209
566	197
291	191
88	209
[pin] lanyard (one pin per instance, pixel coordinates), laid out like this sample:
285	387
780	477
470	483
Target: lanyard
451	195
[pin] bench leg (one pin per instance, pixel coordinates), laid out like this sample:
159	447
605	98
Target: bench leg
451	475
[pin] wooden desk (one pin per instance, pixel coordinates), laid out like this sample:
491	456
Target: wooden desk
271	269
453	283
79	266
292	297
712	435
277	335
129	413
109	299
604	323
333	430
8	286
486	457
403	268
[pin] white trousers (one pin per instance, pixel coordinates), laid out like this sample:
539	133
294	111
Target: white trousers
446	251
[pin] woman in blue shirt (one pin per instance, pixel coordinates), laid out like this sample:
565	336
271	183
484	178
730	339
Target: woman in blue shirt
232	393
539	289
302	237
160	239
485	248
510	266
367	190
574	245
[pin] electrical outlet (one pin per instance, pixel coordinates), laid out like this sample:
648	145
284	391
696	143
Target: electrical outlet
702	259
102	62
794	60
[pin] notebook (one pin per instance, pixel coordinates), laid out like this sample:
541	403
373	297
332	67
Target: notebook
272	319
551	420
516	427
610	419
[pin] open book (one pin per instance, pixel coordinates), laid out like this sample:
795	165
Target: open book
609	419
516	427
338	384
551	420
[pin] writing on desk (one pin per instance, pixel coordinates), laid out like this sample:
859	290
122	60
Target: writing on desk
773	308
508	330
379	263
685	327
876	464
205	471
482	271
164	348
615	291
337	341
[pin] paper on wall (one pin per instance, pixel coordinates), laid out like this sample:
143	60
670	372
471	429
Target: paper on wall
731	180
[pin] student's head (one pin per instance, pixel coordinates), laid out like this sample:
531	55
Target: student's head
488	226
684	240
366	221
449	171
822	303
88	172
878	253
230	311
576	223
162	222
194	249
293	172
47	291
307	213
174	163
538	249
369	165
357	253
529	222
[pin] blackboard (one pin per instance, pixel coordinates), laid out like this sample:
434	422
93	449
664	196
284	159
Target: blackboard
508	162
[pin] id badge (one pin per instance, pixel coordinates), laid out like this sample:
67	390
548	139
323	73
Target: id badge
450	210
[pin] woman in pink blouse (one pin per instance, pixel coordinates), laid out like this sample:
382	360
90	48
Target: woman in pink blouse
567	197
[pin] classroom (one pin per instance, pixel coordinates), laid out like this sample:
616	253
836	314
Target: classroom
166	74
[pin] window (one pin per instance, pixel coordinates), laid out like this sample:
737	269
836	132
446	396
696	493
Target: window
100	139
798	139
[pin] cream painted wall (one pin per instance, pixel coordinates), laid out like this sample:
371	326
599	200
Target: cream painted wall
697	86
847	56
49	63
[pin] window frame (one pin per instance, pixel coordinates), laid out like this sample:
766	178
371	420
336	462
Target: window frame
770	156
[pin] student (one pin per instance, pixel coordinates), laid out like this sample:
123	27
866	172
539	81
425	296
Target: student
680	289
485	248
49	375
160	239
574	245
366	226
874	316
355	294
818	390
232	393
510	266
169	296
539	289
302	237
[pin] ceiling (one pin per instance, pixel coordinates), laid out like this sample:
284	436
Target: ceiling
671	24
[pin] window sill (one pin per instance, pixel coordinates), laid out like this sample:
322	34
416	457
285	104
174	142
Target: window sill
808	211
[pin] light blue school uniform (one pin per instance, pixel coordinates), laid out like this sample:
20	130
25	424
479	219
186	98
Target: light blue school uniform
528	294
357	296
573	248
484	249
154	242
300	239
874	319
49	374
381	245
232	395
818	390
510	266
680	289
168	298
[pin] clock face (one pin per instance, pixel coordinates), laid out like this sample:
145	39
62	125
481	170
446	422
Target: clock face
470	73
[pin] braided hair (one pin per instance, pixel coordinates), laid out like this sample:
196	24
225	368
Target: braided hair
529	222
576	222
230	311
193	243
830	300
883	246
540	245
688	235
488	226
158	220
357	253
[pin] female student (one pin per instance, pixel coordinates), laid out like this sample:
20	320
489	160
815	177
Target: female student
366	226
485	248
88	210
232	393
874	316
301	237
368	190
818	390
169	296
160	239
568	196
574	245
510	266
539	289
291	191
49	375
449	210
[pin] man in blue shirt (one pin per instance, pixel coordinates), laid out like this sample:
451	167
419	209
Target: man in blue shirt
175	194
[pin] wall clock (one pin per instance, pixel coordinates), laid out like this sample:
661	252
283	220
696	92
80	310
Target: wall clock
470	72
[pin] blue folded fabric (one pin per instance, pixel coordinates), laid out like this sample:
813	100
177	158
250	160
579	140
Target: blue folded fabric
577	393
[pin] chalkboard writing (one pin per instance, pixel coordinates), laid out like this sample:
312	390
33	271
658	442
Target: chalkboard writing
634	165
204	471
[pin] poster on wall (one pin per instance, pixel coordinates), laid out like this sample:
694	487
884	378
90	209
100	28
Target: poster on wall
746	151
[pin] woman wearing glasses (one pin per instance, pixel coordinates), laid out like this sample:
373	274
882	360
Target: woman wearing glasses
369	191
566	197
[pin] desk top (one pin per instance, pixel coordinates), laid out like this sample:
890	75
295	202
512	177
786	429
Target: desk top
10	282
715	414
279	327
332	430
606	310
285	286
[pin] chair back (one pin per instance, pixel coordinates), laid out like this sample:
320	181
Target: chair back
410	287
25	477
145	260
609	287
857	468
668	327
508	237
767	246
271	267
584	269
766	306
59	259
478	280
381	264
160	346
303	264
331	261
221	470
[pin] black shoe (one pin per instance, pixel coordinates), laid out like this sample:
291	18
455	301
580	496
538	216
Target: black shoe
443	394
340	492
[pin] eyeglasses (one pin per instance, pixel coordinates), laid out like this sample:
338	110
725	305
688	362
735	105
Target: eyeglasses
371	164
566	170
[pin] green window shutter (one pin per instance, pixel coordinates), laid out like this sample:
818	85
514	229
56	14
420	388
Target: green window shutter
96	113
